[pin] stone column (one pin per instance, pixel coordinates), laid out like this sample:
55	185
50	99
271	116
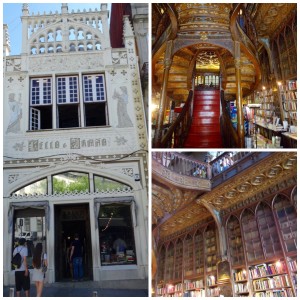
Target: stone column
239	96
163	95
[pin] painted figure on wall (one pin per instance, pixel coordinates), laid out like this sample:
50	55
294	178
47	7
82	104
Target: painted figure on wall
15	114
122	98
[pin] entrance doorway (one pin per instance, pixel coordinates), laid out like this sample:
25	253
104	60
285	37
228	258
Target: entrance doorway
71	219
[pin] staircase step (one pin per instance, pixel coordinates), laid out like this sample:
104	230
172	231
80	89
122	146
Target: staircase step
205	131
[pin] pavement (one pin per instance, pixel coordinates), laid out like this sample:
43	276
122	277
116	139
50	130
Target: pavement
84	289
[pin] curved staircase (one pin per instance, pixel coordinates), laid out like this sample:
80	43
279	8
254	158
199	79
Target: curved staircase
206	122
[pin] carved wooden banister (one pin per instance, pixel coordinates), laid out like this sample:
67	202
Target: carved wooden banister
229	133
177	133
247	36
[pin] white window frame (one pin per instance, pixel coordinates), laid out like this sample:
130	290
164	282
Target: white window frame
94	88
35	119
67	90
41	100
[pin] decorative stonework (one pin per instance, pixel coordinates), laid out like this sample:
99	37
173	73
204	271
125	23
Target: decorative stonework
66	62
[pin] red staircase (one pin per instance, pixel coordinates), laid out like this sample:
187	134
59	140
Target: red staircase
205	131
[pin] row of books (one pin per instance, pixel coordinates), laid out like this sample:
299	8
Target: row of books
194	285
268	269
291	85
275	293
241	275
290	105
241	288
293	265
200	293
271	283
213	292
289	96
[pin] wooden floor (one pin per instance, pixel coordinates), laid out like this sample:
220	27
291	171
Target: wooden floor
205	131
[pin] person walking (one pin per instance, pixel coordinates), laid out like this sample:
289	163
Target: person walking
39	260
76	258
22	276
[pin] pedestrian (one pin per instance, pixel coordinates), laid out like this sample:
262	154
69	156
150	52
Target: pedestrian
39	260
76	258
22	275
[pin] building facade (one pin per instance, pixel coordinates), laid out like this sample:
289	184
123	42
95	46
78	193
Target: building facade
75	146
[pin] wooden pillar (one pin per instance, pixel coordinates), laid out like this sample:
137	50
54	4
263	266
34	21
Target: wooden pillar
163	95
239	96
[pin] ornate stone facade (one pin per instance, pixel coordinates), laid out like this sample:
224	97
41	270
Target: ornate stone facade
75	45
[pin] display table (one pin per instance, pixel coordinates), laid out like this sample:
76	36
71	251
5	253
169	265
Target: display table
289	140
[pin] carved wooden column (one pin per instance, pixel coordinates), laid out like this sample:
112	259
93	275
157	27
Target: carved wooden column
163	95
239	96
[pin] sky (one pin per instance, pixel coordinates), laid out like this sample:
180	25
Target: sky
12	17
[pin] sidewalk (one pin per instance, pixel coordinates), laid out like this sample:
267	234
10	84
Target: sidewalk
86	290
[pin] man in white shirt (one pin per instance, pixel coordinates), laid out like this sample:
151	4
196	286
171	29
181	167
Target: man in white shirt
22	276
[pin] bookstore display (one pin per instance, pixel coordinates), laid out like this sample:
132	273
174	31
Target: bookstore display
262	253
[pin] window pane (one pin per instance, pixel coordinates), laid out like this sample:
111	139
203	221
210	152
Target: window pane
38	187
70	182
117	245
94	89
102	183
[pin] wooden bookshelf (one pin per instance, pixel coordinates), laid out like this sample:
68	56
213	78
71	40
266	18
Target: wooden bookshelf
270	279
188	256
194	288
169	263
287	219
240	282
199	253
268	101
253	246
235	242
292	265
268	232
178	260
288	97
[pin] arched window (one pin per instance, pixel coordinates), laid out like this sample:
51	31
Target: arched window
106	184
80	47
33	51
72	47
50	49
89	36
35	188
58	35
98	46
72	35
50	37
42	49
89	46
70	182
80	35
58	48
42	39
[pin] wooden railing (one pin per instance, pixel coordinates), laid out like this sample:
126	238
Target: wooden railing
229	133
178	131
182	164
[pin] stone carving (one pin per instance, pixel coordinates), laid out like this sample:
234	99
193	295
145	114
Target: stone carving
12	178
19	146
120	140
15	114
128	171
66	62
119	58
122	97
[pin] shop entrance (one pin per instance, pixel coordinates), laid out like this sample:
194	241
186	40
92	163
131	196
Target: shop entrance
71	219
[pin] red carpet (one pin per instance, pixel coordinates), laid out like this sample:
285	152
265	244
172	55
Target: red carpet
205	129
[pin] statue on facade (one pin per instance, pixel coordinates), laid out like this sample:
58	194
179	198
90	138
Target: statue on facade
15	114
122	98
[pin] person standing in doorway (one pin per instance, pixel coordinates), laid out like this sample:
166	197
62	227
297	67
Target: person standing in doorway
39	260
22	276
76	258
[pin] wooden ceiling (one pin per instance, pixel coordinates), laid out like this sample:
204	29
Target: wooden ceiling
174	208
